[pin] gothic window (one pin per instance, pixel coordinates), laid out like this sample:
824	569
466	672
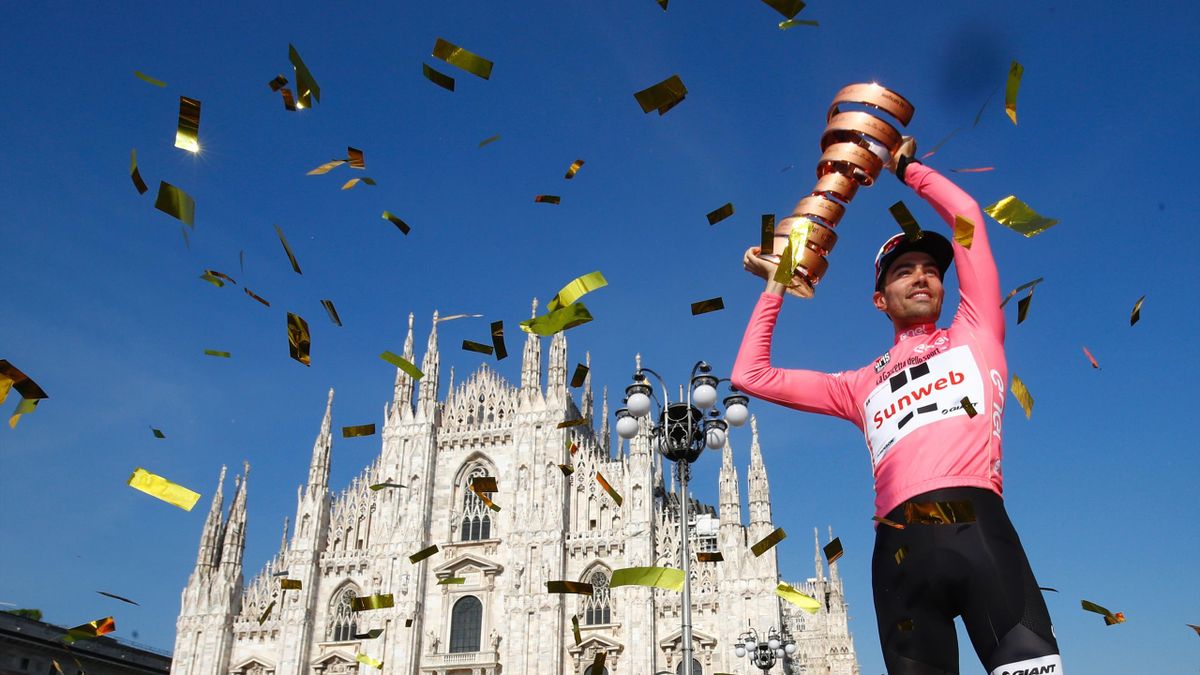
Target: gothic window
597	608
466	624
477	520
342	622
697	669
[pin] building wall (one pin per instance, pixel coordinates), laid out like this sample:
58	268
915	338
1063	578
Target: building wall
29	647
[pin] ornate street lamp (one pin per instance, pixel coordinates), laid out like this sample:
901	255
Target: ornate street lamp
681	434
763	653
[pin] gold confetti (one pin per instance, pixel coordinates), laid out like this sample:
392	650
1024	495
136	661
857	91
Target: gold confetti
256	296
326	167
1015	71
788	8
662	96
290	584
608	488
212	280
408	623
1047	588
379	486
706	306
355	181
217	353
1192	626
423	554
136	175
889	523
25	407
575	289
437	77
24	384
483	485
1023	396
457	56
331	311
1136	314
575	629
979	115
547	199
767	235
489	140
306	85
792	23
359	430
720	214
1018	289
939	513
288	250
663	4
289	101
912	231
1017	216
577	587
905	625
176	203
793	251
559	320
220	275
797	598
452	317
299	340
901	554
567	469
580	374
279	82
768	542
1091	358
157	486
266	613
980	169
395	220
572	423
451	581
187	132
403	364
968	407
57	667
833	550
118	597
374	663
157	433
1109	617
1023	308
370	602
91	629
666	578
146	78
598	662
709	556
355	157
369	635
964	231
498	339
472	346
573	169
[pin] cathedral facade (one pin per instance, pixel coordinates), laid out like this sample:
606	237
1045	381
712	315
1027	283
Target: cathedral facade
480	605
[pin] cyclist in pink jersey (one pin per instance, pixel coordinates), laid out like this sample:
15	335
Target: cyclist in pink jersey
931	410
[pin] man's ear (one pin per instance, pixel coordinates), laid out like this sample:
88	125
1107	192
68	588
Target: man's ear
880	302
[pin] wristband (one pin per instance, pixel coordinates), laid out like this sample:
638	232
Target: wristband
902	165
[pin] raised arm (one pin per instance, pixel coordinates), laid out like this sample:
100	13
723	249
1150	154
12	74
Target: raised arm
978	279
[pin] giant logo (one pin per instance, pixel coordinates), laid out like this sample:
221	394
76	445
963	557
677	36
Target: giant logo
921	394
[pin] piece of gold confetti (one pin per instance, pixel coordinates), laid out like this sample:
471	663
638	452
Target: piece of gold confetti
266	613
788	8
706	306
577	587
1136	314
355	181
157	486
1023	396
369	635
379	486
598	662
797	598
157	433
289	101
559	320
57	667
359	430
579	376
498	339
256	296
547	199
370	602
792	23
573	169
968	407
135	175
572	423
489	140
355	157
1194	627
288	250
939	513
25	407
187	132
118	597
981	169
1109	617
452	317
1017	216
768	542
940	143
793	251
217	353
24	384
1091	358
833	550
457	56
374	663
575	629
767	235
912	231
403	364
964	231
890	523
332	312
901	554
175	203
472	346
1023	308
423	554
146	78
720	214
395	220
212	280
91	629
437	77
451	581
666	578
483	485
279	82
576	289
299	339
290	584
1018	289
663	4
567	469
709	556
1015	71
608	488
306	84
221	275
662	96
326	167
408	623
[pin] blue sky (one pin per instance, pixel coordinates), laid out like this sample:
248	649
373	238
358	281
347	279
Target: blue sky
106	312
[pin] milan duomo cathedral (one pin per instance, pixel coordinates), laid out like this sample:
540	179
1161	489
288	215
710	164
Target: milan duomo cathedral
499	619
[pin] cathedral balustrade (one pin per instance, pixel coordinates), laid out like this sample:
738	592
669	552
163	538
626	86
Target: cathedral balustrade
437	662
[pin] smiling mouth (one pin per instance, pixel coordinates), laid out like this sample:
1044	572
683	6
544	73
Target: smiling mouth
921	295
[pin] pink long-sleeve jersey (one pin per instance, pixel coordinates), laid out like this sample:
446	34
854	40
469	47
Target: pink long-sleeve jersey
908	403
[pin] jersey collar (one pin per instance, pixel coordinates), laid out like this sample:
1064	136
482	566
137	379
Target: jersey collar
919	330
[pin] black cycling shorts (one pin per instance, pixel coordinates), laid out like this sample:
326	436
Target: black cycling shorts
926	574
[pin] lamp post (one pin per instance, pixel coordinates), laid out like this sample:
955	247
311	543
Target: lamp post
763	653
681	434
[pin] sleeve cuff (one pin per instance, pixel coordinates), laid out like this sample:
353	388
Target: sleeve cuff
902	166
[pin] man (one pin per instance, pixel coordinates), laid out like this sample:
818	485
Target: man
931	409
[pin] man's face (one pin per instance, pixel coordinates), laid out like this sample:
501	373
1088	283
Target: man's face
912	291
